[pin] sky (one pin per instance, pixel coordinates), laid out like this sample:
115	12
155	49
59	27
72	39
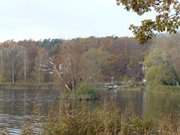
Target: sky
39	19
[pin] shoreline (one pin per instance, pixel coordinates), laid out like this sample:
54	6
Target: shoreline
29	86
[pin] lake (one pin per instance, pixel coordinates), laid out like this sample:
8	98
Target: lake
19	106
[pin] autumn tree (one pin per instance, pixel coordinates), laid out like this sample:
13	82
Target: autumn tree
93	63
126	58
21	61
78	61
162	63
12	58
167	17
67	63
41	59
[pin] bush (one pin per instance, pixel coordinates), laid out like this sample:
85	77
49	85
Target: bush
86	90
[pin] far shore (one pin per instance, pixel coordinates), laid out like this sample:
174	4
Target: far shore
29	86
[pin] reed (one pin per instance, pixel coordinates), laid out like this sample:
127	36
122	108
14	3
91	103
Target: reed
106	120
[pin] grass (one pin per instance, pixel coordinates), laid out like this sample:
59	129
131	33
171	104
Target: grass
81	121
106	120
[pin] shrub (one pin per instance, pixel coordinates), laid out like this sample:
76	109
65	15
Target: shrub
86	90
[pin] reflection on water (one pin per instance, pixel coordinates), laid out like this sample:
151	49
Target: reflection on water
127	101
160	104
17	106
20	102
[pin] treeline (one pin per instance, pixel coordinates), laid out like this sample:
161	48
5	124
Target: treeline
82	59
21	61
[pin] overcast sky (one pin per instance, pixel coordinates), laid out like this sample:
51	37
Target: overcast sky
38	19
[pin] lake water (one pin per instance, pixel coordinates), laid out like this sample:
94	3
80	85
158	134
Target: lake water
19	106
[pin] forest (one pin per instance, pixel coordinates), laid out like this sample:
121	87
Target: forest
81	59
